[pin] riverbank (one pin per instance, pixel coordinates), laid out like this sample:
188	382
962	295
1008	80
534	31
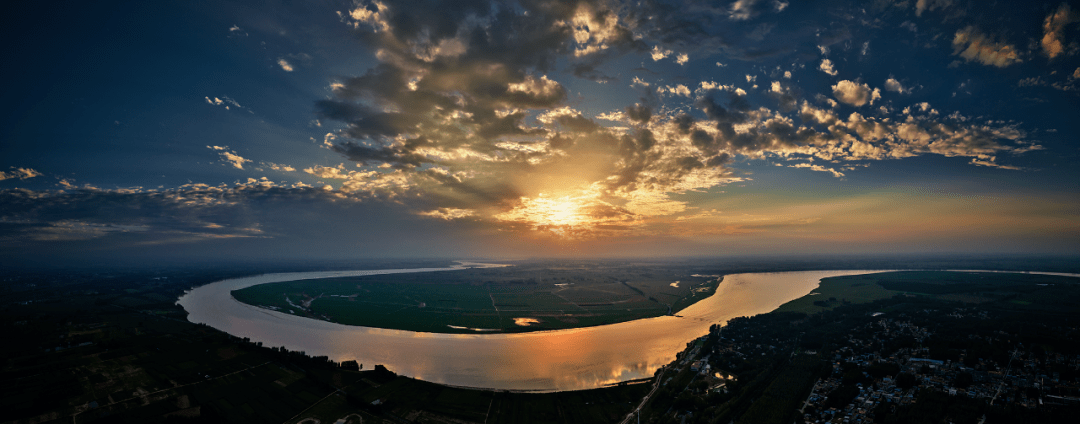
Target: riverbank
581	358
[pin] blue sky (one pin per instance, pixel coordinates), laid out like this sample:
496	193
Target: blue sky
338	129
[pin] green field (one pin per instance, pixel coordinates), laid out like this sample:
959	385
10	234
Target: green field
1045	292
513	299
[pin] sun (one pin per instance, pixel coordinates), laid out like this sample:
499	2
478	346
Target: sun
563	211
556	214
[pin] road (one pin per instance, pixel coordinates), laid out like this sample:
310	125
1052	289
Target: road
656	385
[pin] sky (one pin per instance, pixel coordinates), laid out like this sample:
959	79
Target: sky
353	129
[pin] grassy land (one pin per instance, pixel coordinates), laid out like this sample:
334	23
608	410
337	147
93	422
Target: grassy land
1037	291
490	300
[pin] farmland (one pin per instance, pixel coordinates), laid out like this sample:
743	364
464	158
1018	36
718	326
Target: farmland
1032	291
526	297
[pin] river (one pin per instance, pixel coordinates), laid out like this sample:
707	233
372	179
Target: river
573	359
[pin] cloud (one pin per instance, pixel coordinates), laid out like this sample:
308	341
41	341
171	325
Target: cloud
990	162
827	67
137	217
855	94
279	167
1054	28
227	102
659	53
378	183
892	84
972	45
742	10
235	31
1070	82
470	111
818	168
285	65
229	156
931	5
677	90
785	95
448	213
639	112
19	173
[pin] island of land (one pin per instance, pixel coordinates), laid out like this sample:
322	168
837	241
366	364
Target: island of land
525	297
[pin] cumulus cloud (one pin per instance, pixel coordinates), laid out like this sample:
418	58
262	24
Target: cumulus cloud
223	101
468	110
827	67
990	162
19	174
855	94
472	116
742	10
818	168
931	5
659	53
676	90
892	84
285	65
279	167
972	45
448	213
1054	27
229	156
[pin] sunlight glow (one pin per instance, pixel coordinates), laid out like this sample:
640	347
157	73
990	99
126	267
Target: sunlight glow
556	214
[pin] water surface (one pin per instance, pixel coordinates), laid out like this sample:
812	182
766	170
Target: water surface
546	361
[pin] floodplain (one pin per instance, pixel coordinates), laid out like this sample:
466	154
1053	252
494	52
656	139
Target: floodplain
526	297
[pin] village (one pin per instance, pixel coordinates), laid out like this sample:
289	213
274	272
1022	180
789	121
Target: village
890	367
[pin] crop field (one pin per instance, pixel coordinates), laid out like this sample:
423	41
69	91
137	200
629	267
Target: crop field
525	297
1044	292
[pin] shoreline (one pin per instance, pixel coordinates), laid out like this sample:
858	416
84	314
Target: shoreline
549	361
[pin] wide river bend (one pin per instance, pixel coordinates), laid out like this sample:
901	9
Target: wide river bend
573	359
